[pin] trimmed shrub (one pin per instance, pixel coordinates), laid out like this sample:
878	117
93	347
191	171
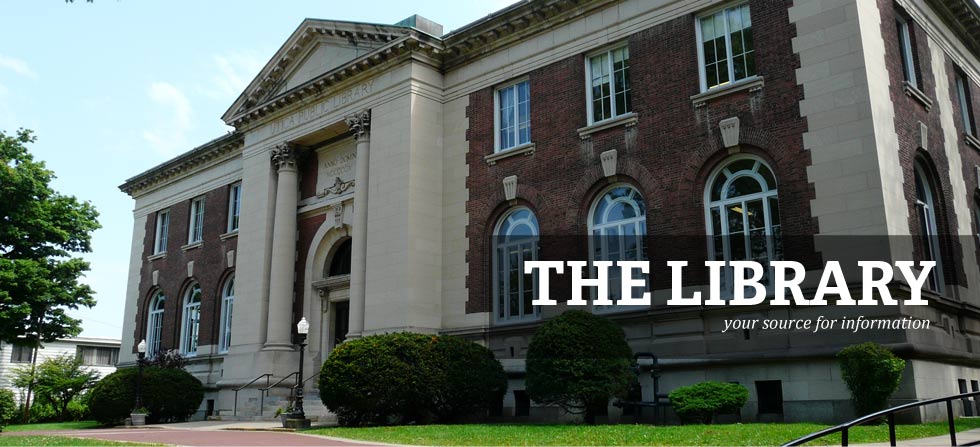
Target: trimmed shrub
872	374
579	361
8	407
170	395
700	402
405	378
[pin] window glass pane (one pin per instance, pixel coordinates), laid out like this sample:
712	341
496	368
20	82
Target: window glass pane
707	29
744	185
736	231
524	113
601	101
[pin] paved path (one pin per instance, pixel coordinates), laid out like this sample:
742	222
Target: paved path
203	435
968	437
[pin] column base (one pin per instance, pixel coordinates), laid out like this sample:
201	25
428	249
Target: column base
278	347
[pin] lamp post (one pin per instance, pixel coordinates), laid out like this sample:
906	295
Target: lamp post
141	350
302	328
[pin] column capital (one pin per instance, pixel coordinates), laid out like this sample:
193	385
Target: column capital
360	124
284	156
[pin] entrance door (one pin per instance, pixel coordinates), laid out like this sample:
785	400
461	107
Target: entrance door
341	321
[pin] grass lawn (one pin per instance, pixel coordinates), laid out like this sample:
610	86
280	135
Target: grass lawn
75	425
734	434
58	441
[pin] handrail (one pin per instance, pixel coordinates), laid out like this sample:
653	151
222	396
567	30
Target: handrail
317	374
266	375
890	415
264	391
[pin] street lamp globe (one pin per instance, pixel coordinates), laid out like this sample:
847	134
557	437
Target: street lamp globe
303	327
141	348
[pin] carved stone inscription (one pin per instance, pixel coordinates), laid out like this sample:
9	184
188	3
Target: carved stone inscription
335	176
322	108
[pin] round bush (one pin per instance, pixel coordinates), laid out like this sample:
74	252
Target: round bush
872	373
578	361
698	403
409	378
169	395
8	407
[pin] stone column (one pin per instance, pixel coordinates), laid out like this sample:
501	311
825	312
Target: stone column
359	124
280	318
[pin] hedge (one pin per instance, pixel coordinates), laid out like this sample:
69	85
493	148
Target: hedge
169	395
405	378
872	373
699	403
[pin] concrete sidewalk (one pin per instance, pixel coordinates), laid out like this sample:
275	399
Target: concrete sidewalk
968	437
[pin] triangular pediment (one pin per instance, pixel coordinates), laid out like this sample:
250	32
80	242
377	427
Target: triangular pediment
315	48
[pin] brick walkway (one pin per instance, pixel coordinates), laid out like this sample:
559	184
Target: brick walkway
198	437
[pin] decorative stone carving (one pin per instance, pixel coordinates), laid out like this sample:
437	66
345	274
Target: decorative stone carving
360	124
609	159
338	188
729	131
338	214
510	187
923	135
156	275
284	156
190	269
230	257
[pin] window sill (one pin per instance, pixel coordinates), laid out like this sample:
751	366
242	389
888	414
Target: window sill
628	119
752	84
229	235
524	149
160	255
917	94
192	246
972	141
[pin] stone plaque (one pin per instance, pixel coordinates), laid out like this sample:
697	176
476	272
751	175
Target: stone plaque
335	175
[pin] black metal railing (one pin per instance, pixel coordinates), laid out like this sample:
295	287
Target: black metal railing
265	391
889	415
266	375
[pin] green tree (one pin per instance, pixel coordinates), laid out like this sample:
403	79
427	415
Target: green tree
578	361
57	380
39	230
872	373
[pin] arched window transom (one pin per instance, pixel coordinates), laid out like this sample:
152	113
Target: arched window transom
618	225
154	324
743	214
227	307
191	320
515	241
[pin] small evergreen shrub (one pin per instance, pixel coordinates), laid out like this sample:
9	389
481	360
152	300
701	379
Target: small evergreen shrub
8	407
699	403
170	395
872	373
579	361
405	378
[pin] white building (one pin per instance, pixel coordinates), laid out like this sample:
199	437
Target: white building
99	354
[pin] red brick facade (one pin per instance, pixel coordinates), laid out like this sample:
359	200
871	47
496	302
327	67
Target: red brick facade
668	156
211	269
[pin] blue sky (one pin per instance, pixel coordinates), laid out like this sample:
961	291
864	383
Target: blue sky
115	87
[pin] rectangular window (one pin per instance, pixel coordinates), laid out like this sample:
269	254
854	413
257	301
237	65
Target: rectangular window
513	115
905	49
609	84
196	228
770	394
163	227
21	354
966	108
726	47
97	356
234	206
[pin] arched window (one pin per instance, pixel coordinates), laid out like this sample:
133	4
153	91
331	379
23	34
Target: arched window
191	320
154	325
618	225
925	205
743	214
227	306
340	262
515	241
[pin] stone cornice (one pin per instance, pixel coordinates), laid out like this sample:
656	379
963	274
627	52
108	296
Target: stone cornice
184	164
511	25
963	17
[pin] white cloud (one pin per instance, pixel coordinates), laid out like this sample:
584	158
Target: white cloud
168	136
17	66
233	71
